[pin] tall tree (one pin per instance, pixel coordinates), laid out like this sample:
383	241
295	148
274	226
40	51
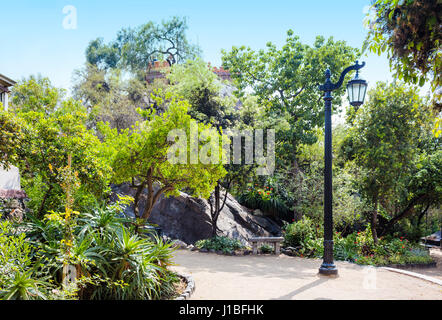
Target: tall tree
36	94
51	129
135	48
196	82
286	82
110	98
385	141
143	155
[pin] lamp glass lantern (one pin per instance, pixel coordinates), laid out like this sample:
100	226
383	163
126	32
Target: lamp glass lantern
356	89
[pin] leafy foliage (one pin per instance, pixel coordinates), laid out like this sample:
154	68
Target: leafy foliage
18	277
142	155
36	94
11	136
286	82
410	32
384	142
198	84
50	132
358	247
111	259
299	232
224	244
111	97
264	199
136	48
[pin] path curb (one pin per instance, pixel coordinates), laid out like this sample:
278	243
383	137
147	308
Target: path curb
414	274
190	288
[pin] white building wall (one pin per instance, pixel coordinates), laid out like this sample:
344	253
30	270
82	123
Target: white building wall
5	101
10	179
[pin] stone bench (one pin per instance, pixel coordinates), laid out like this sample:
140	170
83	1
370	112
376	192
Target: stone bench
275	240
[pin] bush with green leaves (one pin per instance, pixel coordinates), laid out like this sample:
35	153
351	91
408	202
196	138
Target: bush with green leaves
20	278
299	232
224	244
266	248
111	259
265	199
357	247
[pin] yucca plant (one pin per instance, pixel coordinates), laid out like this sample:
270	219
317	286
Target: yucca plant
24	285
112	260
135	268
103	221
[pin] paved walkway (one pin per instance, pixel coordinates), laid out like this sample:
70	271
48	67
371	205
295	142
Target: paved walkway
266	277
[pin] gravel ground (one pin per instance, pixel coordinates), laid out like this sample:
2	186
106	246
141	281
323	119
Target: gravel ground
265	277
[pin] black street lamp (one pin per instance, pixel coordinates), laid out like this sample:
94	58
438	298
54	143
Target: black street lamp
356	89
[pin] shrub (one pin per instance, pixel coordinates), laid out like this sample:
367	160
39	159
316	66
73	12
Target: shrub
19	279
224	244
297	233
112	260
265	199
266	248
357	247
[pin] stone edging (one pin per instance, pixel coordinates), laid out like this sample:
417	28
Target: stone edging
414	274
412	265
190	288
239	253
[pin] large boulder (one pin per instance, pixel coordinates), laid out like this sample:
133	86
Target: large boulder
188	219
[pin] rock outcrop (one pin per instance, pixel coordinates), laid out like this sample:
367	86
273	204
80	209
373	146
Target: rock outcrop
188	219
12	204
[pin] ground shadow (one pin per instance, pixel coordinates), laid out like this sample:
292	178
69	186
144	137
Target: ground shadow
306	287
268	266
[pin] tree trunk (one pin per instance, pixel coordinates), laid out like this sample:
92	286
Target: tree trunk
374	222
152	198
421	215
140	189
297	215
43	202
215	214
405	213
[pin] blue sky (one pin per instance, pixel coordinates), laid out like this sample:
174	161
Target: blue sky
34	40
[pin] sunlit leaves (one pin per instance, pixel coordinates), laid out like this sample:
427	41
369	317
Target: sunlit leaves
286	80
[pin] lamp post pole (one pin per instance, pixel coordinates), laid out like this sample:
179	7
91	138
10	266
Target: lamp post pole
328	267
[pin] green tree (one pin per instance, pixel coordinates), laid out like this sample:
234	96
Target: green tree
47	143
101	55
110	98
286	83
36	94
210	103
136	48
52	129
384	142
142	155
410	33
11	137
